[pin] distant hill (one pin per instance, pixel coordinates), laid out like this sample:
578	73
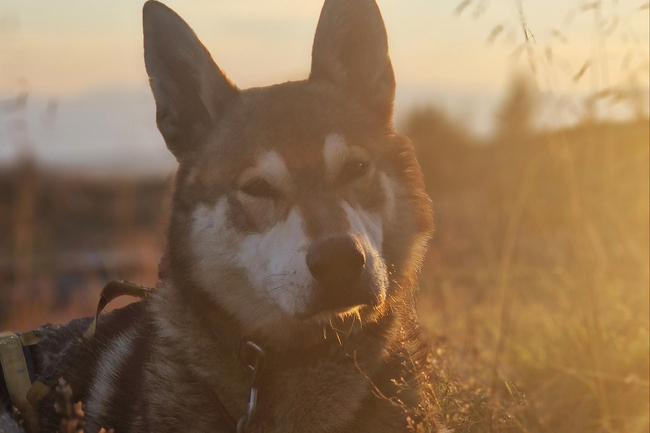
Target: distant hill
112	129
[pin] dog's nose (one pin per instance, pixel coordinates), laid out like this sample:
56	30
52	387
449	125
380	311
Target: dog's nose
336	260
337	263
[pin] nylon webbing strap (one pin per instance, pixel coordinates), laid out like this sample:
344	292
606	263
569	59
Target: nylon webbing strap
111	291
16	375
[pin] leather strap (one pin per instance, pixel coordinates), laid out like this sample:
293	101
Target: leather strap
111	291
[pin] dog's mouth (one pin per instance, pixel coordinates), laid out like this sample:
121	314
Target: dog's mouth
315	315
326	316
341	300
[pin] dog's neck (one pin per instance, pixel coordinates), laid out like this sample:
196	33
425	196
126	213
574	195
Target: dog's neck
198	339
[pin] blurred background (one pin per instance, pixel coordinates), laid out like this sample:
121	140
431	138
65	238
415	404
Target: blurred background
530	119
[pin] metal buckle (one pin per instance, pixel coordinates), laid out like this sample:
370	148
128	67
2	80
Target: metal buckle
252	357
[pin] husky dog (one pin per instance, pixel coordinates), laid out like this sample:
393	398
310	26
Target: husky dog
298	226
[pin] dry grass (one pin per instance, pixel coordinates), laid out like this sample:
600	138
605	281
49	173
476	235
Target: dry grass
538	278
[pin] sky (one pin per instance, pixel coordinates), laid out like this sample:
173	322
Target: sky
77	50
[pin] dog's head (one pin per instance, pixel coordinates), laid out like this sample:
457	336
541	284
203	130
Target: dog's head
294	203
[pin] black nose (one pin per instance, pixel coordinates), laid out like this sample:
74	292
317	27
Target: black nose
336	260
336	263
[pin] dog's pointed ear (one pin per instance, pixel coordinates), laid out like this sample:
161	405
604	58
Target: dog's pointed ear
351	51
191	92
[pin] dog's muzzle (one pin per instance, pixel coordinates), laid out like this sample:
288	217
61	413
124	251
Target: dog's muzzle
338	263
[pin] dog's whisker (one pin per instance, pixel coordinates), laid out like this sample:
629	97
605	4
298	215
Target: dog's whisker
271	277
280	287
354	318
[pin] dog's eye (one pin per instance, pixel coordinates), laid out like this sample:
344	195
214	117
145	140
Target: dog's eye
353	170
259	187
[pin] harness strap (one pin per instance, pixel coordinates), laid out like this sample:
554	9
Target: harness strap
16	375
111	291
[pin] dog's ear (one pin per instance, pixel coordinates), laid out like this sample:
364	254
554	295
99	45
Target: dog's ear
351	51
191	92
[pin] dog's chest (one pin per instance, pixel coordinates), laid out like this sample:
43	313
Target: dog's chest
324	396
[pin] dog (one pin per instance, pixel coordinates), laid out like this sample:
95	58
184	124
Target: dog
299	223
